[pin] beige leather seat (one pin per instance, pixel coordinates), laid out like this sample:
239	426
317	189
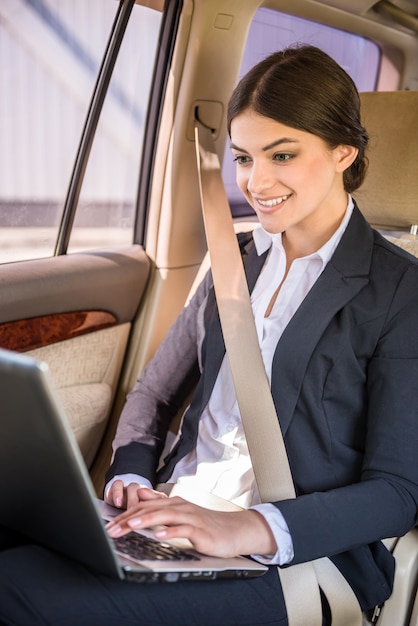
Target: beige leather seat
389	201
414	618
389	195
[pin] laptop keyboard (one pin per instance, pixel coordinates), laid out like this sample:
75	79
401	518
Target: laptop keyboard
144	548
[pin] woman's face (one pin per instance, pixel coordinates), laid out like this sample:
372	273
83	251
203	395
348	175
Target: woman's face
291	178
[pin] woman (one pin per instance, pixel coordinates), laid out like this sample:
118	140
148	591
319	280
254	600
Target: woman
335	307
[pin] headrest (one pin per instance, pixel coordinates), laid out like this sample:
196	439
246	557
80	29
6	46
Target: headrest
388	197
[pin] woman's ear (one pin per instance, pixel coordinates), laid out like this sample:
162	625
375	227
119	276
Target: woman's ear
345	156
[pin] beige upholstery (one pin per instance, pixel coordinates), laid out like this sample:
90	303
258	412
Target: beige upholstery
396	611
414	617
87	408
410	244
389	201
389	195
86	386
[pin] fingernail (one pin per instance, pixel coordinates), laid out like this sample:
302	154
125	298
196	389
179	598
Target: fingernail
114	530
136	522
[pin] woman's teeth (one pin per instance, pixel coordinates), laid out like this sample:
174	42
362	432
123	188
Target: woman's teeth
274	202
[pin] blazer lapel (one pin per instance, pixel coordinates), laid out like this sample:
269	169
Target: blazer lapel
253	263
344	276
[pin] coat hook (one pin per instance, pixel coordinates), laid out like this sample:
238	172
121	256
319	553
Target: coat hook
197	118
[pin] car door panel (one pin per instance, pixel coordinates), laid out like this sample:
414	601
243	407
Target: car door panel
111	281
75	313
84	371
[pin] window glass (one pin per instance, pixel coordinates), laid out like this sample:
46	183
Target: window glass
51	53
105	213
271	31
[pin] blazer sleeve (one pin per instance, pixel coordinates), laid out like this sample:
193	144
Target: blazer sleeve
159	393
384	502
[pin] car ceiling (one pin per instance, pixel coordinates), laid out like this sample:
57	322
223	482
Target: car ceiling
398	12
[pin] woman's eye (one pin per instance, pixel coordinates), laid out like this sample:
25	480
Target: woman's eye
241	159
282	157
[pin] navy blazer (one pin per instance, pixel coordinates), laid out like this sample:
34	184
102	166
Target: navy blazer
345	387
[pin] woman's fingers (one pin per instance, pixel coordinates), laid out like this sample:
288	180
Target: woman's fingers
115	495
217	533
128	497
145	514
136	494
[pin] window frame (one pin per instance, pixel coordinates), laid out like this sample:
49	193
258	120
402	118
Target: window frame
162	66
162	63
92	119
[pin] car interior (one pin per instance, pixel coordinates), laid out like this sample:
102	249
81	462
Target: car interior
101	232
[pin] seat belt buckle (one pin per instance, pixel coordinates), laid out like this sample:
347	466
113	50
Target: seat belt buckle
375	613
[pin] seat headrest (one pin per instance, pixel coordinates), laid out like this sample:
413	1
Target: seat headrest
388	197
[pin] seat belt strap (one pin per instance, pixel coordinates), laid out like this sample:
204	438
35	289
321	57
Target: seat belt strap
266	446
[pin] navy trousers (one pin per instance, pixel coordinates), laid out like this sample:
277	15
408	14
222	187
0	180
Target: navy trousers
39	587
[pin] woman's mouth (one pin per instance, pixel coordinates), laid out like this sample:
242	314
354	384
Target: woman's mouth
273	202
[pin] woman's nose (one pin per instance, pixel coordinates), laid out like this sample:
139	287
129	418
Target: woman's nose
260	178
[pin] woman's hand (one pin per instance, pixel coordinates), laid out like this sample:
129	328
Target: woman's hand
217	533
128	497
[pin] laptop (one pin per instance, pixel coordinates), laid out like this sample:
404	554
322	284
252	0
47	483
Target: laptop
46	493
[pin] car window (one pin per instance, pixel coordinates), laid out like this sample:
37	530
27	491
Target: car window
271	31
51	54
105	213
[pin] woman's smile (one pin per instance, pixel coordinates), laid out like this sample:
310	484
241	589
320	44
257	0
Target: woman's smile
268	204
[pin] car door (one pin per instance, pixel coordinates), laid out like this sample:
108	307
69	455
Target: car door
73	270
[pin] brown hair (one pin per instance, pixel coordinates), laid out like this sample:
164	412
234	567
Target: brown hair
304	88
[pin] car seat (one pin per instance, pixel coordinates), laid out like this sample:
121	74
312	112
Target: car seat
388	200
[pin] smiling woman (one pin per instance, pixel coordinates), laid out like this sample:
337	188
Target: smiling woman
335	304
322	353
333	337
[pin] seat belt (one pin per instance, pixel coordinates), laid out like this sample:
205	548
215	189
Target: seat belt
301	582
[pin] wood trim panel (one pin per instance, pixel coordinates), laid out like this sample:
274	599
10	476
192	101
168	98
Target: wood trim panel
36	332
